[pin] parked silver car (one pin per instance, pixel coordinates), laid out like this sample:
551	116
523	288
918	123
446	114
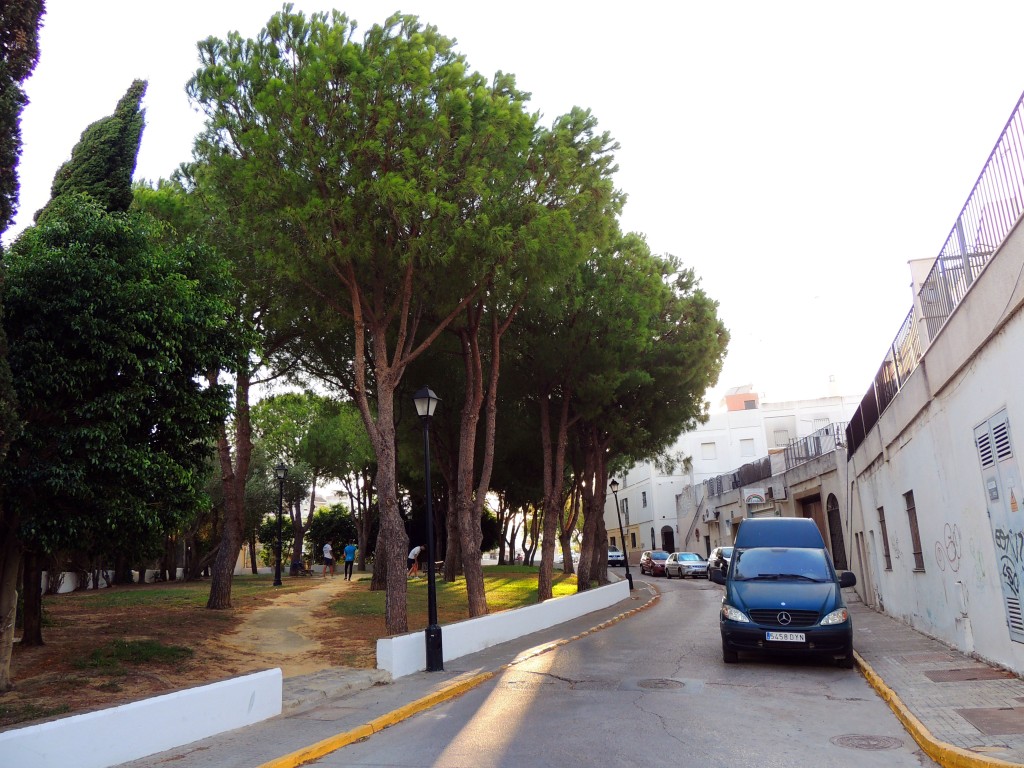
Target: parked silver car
615	556
683	564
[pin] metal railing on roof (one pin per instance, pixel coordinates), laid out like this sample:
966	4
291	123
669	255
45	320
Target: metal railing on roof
992	209
816	444
748	474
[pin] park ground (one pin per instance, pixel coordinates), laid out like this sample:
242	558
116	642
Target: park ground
116	645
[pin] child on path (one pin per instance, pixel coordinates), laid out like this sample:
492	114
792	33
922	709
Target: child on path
328	559
414	561
350	556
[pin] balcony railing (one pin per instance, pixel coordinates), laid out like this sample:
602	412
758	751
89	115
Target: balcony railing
748	474
816	444
990	213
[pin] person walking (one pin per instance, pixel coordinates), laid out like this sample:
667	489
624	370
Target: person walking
350	558
414	561
328	559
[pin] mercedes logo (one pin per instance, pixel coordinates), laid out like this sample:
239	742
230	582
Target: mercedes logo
784	618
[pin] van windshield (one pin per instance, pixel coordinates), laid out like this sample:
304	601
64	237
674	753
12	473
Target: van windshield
779	563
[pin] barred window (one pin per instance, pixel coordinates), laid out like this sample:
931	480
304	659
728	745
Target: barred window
885	539
915	535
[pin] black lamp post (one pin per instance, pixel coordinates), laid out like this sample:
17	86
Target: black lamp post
614	485
426	401
281	471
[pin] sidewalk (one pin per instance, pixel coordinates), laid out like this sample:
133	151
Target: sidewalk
961	711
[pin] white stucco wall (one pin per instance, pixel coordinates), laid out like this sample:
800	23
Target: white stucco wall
925	443
730	432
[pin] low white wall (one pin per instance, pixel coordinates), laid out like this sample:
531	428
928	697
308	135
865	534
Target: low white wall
405	654
132	731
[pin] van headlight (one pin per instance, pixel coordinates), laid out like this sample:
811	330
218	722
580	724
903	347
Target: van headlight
734	614
840	616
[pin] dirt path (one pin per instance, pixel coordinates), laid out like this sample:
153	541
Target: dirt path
285	633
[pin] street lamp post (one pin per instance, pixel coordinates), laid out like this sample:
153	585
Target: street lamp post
426	401
281	471
614	485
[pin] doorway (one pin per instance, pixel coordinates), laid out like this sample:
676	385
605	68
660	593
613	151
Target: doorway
668	539
835	532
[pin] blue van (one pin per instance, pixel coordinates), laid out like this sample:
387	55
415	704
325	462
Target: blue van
782	594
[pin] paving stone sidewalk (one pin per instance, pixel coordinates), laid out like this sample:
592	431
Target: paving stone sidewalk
974	707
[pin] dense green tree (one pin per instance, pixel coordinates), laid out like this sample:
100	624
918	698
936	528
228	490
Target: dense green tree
618	360
558	208
197	208
314	433
330	524
103	160
378	165
19	52
110	334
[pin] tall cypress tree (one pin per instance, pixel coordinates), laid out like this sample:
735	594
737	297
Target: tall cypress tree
103	161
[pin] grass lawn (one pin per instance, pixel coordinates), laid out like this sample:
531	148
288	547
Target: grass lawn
506	587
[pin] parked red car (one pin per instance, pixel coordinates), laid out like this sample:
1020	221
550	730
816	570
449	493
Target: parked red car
653	562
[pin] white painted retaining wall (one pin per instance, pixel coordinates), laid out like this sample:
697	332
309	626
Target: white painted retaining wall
406	654
132	731
69	581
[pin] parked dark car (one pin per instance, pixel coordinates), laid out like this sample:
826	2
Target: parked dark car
683	564
653	562
782	594
718	561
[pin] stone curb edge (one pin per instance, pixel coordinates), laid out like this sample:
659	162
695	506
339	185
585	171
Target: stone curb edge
336	742
946	755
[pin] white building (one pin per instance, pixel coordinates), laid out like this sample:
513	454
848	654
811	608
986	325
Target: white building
659	509
935	470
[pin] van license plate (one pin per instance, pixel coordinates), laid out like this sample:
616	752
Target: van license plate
787	637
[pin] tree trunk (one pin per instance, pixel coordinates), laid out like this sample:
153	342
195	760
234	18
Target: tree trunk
122	571
233	476
254	566
32	581
453	539
392	527
10	567
593	558
299	530
169	566
362	509
553	455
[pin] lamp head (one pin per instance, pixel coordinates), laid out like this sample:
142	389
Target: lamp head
614	485
426	402
281	471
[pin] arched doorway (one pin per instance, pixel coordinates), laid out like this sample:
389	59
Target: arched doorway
668	539
835	532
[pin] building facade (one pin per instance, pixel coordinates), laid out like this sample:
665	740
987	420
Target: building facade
669	510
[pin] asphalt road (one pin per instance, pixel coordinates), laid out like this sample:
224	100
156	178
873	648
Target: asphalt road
651	690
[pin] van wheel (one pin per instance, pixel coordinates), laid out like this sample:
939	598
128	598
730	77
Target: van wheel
729	657
668	574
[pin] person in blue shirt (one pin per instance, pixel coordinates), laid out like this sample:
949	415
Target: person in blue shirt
350	557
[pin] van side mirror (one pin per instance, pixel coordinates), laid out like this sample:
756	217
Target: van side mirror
716	575
847	579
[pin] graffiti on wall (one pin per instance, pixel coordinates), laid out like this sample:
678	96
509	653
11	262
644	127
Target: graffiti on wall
947	551
1010	546
896	551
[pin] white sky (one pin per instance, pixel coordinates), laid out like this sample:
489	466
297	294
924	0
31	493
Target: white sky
796	154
